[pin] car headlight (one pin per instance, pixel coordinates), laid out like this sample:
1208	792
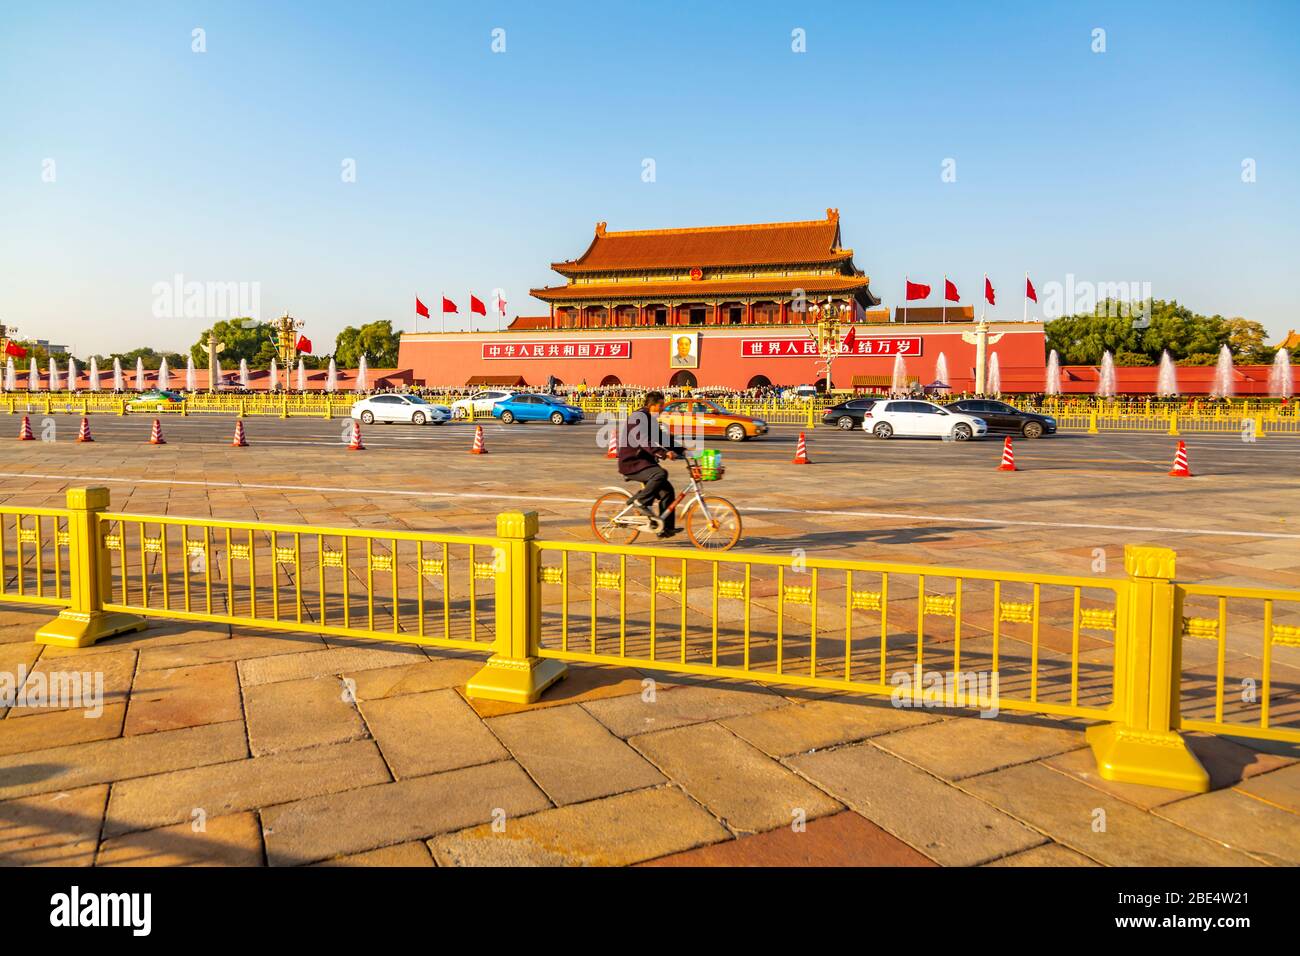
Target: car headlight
1049	419
759	423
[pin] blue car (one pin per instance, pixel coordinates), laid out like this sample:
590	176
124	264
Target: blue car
536	408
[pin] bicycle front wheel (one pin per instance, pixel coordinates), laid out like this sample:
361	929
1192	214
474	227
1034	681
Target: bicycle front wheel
603	513
719	529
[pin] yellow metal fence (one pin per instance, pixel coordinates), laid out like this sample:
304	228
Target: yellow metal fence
1143	656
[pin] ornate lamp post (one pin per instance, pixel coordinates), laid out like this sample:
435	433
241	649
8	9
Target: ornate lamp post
286	329
826	333
7	332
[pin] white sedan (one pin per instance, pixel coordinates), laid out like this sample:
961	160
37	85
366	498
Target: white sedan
480	402
908	418
400	408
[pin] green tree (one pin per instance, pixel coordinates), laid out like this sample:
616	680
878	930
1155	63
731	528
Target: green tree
376	340
1133	339
244	338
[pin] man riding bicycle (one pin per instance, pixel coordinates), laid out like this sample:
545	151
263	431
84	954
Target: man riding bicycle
639	455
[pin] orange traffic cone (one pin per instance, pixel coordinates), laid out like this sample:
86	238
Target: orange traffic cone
239	440
355	444
1180	469
1008	456
84	434
478	448
25	431
801	452
155	436
612	450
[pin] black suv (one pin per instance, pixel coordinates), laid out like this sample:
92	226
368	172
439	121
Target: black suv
848	415
1004	419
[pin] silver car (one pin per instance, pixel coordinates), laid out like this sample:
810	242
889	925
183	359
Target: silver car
411	409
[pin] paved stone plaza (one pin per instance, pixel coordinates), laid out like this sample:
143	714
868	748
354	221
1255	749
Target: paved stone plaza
230	745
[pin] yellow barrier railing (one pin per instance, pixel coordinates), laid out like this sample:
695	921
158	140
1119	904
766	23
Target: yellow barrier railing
1125	652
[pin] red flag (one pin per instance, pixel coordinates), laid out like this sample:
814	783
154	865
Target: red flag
1029	290
501	304
988	291
16	350
421	308
449	306
916	290
950	291
850	338
304	344
476	305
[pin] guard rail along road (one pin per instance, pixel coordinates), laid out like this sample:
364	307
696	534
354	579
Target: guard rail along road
1140	657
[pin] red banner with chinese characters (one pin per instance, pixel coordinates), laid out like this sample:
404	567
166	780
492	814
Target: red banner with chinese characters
807	348
558	350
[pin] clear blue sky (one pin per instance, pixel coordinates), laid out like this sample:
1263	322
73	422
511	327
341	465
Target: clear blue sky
476	170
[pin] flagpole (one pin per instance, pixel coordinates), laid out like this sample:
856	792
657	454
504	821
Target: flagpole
944	319
906	282
984	309
1026	292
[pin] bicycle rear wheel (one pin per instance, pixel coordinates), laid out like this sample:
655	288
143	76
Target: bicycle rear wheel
719	530
603	512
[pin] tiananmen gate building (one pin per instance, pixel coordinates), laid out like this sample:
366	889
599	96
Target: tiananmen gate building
719	305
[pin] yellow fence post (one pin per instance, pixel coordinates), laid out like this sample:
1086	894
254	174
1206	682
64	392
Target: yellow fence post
1092	423
513	673
121	407
85	621
1173	423
812	419
1143	747
1259	426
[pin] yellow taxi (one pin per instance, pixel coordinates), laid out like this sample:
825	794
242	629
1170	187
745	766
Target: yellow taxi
698	416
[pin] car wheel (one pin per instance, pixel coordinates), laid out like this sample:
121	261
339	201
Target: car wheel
1033	430
557	418
368	418
735	432
961	432
417	418
507	417
459	413
845	423
883	430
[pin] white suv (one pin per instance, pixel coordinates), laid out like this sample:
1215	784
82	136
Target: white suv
480	402
909	418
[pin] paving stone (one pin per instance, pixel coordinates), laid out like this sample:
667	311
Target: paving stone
230	649
1049	854
582	683
843	839
36	827
79	765
368	818
1280	788
58	728
299	713
571	755
817	724
964	746
403	855
740	784
430	733
1241	822
184	697
614	831
1066	809
950	827
438	674
151	802
104	674
323	663
629	715
234	840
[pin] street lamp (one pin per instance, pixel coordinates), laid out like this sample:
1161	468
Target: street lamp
826	333
286	329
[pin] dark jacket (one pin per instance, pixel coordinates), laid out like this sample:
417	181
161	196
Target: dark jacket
642	443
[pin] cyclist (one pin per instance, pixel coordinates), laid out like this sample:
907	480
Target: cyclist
639	455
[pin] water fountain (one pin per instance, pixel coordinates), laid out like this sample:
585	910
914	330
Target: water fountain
274	385
11	376
1167	376
118	384
302	376
941	369
72	374
139	375
54	375
1052	382
332	381
898	380
363	379
1223	385
191	381
243	374
33	380
1106	378
94	374
1280	383
994	384
164	375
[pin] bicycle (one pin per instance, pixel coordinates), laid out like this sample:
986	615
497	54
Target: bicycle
712	523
